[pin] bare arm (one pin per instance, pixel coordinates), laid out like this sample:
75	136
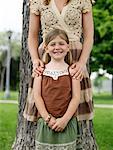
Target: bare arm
73	105
38	98
88	33
34	27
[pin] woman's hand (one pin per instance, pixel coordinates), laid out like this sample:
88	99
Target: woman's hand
77	70
38	67
60	125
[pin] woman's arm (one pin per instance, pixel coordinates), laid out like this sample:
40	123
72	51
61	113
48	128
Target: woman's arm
34	27
38	98
73	105
88	33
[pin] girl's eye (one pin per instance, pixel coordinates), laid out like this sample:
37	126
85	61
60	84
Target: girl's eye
52	44
61	43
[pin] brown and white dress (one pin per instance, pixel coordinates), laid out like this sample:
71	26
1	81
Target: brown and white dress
56	93
70	20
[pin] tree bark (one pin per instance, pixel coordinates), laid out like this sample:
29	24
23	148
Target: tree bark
25	130
112	86
2	79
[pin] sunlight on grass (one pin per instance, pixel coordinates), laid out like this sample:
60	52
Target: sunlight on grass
103	125
8	119
13	95
103	98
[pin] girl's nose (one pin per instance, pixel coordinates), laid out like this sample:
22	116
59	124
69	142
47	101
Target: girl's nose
57	46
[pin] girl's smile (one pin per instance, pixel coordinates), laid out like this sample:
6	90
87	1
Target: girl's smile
57	48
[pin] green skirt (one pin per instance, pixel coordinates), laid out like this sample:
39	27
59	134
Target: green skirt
47	139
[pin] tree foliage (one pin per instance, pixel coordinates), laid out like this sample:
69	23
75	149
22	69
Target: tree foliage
102	54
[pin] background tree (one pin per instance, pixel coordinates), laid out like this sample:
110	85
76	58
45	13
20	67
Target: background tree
102	54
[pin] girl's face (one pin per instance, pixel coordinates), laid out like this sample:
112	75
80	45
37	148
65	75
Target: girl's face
57	48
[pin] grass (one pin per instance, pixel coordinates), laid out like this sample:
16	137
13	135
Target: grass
103	98
8	119
103	126
13	95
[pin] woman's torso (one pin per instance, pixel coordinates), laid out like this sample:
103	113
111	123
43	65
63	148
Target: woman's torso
70	19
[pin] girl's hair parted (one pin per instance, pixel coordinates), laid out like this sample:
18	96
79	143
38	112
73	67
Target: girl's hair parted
52	35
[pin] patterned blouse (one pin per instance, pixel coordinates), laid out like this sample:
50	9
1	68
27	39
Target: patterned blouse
70	19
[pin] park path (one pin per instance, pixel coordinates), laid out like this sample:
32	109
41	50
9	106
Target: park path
9	101
95	105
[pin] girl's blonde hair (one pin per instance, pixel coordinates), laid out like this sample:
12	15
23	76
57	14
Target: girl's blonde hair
52	35
46	2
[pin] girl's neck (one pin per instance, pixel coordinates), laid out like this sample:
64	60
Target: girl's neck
57	64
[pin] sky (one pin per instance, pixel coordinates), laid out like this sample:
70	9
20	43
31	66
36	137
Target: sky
11	15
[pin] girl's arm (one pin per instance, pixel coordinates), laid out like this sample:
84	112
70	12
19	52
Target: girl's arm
34	28
38	99
88	33
73	105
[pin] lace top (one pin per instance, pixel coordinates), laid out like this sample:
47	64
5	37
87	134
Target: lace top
55	73
70	19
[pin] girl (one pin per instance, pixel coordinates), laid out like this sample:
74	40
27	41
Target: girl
57	96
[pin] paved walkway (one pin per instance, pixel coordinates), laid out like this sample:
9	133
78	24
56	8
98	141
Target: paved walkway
95	105
9	101
103	105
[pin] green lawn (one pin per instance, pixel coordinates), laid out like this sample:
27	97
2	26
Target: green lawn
103	98
13	95
103	125
8	119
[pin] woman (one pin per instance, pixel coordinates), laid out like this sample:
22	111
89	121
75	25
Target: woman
75	17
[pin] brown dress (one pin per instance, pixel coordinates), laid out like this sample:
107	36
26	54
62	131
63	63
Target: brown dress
56	93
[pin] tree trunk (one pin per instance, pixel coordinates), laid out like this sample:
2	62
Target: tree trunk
2	79
112	86
25	130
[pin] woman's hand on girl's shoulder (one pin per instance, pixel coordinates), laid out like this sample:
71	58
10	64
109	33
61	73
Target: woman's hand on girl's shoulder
76	70
38	67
